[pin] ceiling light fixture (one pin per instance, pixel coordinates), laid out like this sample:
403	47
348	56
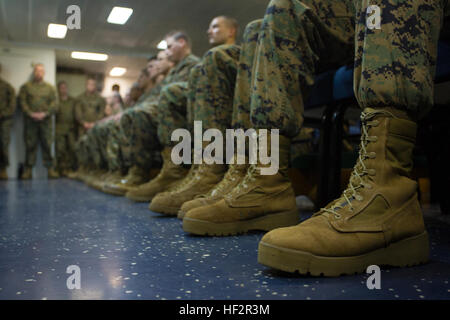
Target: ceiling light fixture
119	15
117	72
57	31
89	56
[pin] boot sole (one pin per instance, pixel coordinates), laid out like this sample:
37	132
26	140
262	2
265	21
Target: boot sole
264	223
407	252
170	211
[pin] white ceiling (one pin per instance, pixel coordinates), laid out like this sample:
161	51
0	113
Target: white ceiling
25	22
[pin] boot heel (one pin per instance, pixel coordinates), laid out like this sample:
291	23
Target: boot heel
409	252
276	220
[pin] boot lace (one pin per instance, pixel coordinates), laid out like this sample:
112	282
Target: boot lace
359	177
243	185
187	180
229	178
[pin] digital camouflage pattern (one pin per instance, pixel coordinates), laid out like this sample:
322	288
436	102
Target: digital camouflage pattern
98	137
241	99
65	134
395	65
206	97
7	108
89	108
38	97
139	123
114	144
302	142
172	112
299	39
214	88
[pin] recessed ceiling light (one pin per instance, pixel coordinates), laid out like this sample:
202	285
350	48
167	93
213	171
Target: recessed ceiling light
117	72
162	45
119	15
89	56
57	31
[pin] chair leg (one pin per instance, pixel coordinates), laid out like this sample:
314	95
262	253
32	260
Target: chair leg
337	135
324	157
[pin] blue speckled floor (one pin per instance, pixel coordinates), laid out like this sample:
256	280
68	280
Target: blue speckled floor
125	251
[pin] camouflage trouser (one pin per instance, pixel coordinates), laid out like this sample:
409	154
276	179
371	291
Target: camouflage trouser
98	138
172	113
138	126
241	102
206	97
5	136
34	133
65	149
114	148
302	142
82	151
394	65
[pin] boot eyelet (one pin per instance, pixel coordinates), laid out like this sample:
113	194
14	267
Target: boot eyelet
337	216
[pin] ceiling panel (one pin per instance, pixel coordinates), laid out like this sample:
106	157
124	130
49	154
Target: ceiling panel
25	22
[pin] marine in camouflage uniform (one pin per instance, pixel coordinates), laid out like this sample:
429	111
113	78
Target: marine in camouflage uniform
378	219
206	97
65	135
90	108
103	134
7	108
38	97
139	124
113	149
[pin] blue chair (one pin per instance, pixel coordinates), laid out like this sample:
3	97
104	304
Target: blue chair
335	90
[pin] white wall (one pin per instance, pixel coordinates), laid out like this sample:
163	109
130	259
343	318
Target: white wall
17	68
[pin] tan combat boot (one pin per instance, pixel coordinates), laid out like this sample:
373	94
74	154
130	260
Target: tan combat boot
98	180
88	173
92	176
204	179
169	175
234	175
27	173
258	202
77	174
112	176
3	174
377	220
52	173
135	177
113	179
